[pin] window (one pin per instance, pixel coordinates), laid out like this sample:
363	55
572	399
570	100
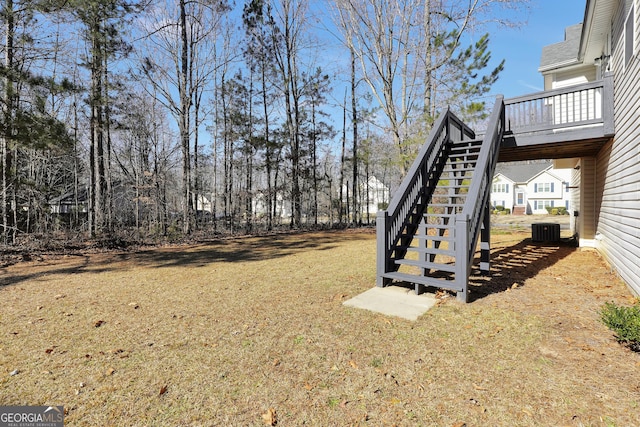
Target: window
500	188
629	35
542	204
543	187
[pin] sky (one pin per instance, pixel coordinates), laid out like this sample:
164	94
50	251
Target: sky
521	47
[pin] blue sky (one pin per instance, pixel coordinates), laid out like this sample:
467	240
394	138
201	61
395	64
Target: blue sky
521	47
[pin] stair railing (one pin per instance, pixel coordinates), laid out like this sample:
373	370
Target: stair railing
469	222
414	189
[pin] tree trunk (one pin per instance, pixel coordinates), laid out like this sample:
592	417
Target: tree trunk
184	121
354	122
8	113
342	161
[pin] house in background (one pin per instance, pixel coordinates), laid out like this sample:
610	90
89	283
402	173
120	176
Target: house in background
259	205
529	188
374	196
70	202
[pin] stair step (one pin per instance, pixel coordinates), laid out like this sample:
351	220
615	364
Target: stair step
462	162
431	238
459	169
430	251
450	268
464	151
454	186
439	215
424	280
451	208
435	225
468	142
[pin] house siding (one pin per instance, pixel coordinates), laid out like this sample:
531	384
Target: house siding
618	172
587	211
575	195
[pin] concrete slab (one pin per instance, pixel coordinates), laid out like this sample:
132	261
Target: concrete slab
394	301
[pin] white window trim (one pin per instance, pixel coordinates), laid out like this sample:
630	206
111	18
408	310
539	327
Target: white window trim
630	14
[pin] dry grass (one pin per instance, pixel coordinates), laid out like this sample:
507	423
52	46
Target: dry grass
219	334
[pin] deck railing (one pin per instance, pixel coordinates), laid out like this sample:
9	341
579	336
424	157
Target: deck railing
561	109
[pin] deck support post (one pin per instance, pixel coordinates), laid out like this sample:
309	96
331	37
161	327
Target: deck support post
383	254
485	240
462	258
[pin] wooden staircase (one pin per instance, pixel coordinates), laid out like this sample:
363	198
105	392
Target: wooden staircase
428	236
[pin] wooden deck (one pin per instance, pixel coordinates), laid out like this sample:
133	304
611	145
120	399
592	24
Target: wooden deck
569	122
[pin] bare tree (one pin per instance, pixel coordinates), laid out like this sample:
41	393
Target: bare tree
404	46
178	63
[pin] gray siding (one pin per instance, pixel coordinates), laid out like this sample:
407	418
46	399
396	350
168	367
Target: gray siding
618	164
588	199
575	200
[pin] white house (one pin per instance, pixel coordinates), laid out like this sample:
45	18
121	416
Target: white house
259	205
529	188
375	195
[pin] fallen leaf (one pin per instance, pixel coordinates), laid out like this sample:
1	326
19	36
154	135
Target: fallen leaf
163	390
308	386
39	307
353	364
459	425
14	372
134	305
270	417
99	323
477	387
527	412
110	371
276	362
59	296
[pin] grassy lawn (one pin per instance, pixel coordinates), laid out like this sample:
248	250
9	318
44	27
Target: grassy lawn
251	331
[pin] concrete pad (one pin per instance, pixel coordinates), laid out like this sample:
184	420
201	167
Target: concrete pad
394	301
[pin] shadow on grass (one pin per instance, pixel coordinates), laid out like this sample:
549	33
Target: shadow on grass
238	249
515	264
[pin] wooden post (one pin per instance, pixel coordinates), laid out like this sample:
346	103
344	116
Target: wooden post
462	259
485	240
382	255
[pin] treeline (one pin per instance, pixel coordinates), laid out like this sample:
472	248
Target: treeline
162	117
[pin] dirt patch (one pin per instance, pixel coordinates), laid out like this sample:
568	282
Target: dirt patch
253	331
